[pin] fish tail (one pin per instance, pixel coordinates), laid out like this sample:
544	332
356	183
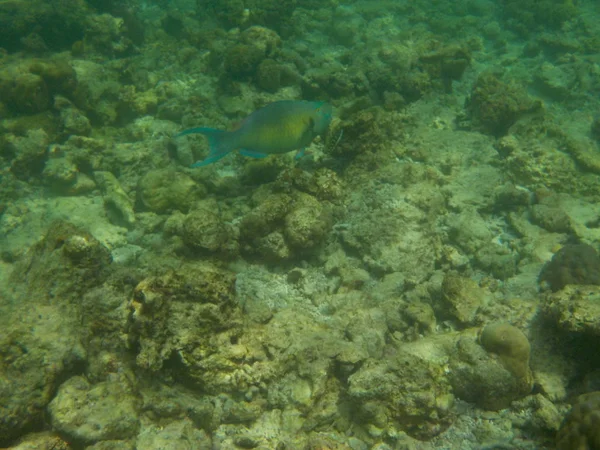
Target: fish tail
220	143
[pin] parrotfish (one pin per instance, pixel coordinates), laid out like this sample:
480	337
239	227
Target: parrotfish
279	127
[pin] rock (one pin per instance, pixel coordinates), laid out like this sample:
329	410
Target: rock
60	174
181	435
556	81
165	190
575	309
494	106
30	153
40	347
577	264
552	219
581	429
402	392
481	377
461	298
41	441
177	315
90	413
119	207
307	224
204	229
63	265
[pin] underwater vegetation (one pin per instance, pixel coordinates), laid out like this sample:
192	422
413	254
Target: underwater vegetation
422	274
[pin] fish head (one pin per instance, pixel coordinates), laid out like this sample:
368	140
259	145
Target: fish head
322	117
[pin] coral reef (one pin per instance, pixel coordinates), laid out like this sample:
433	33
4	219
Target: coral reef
494	373
164	190
424	276
580	429
577	264
175	315
528	15
88	414
575	308
494	105
406	393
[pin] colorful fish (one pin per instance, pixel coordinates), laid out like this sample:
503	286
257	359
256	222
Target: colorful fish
279	127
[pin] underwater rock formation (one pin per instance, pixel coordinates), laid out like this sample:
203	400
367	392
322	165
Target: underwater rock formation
56	24
580	429
89	413
282	226
176	315
577	264
461	298
494	105
165	190
203	229
494	372
575	308
404	393
43	340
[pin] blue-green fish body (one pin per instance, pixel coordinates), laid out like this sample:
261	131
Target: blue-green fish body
279	127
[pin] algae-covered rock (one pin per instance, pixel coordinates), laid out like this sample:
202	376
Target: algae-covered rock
580	428
60	174
119	206
42	321
307	224
181	314
551	218
494	106
265	218
29	94
575	308
43	440
494	376
577	264
528	15
165	190
39	346
28	86
404	393
29	153
389	232
268	75
72	120
264	39
90	413
57	24
175	435
461	298
63	265
241	61
204	229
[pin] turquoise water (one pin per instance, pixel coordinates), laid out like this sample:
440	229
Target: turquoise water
423	274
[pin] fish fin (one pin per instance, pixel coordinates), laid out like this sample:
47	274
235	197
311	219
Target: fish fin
299	154
252	153
220	143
